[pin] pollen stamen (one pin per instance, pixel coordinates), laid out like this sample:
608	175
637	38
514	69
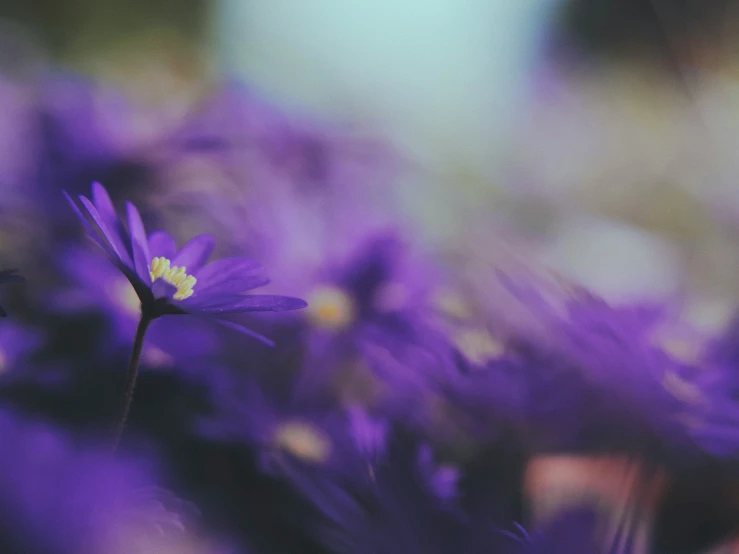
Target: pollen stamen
162	268
331	307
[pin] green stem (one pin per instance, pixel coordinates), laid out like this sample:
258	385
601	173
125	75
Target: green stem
131	374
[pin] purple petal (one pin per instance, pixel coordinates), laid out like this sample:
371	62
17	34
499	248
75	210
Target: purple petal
225	270
234	286
115	231
161	244
139	244
241	329
98	235
105	232
195	253
255	303
94	232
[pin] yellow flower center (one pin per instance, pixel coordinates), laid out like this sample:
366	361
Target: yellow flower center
303	441
682	389
478	345
678	342
162	268
451	304
331	307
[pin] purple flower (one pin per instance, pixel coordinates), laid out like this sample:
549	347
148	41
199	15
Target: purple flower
57	495
368	305
9	276
309	157
289	435
97	287
398	510
599	376
54	494
169	281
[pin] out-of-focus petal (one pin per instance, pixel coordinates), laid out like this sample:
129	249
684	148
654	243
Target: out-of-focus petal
195	253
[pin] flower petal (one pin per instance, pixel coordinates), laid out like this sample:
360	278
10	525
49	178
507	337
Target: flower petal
161	244
94	232
139	244
116	233
195	253
242	329
97	233
106	233
239	284
226	269
255	303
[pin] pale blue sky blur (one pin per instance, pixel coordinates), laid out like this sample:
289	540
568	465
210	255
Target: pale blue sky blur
444	77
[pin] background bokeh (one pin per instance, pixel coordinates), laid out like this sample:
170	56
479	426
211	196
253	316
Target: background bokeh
601	131
584	143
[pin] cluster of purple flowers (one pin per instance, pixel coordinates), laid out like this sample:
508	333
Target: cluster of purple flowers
403	400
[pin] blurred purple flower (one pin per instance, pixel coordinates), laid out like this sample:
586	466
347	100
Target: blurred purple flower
441	478
397	510
367	306
81	130
370	337
9	276
309	157
56	497
713	419
599	376
289	436
172	282
369	434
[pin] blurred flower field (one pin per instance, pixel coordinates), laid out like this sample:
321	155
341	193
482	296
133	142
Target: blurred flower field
249	313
